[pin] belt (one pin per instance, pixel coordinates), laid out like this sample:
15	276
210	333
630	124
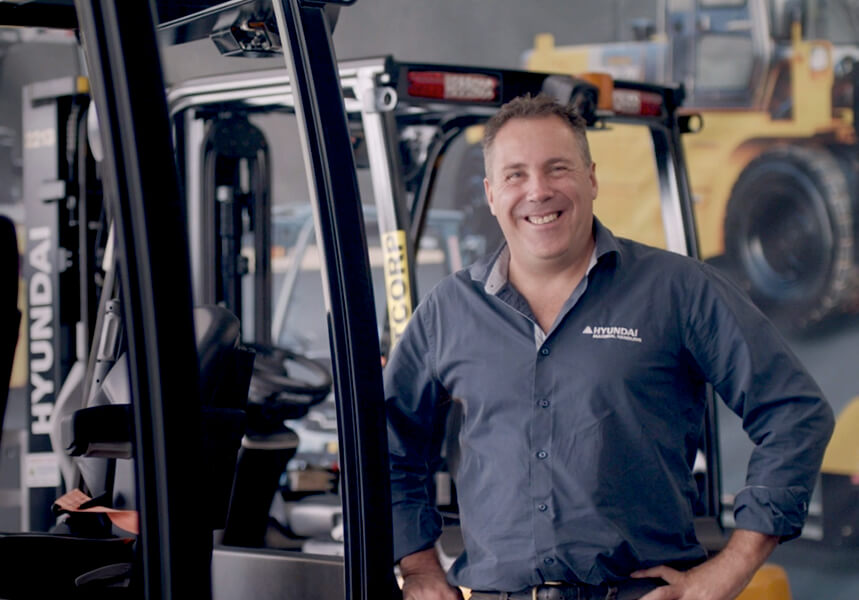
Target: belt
630	589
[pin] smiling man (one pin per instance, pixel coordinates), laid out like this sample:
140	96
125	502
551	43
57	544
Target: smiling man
580	361
541	184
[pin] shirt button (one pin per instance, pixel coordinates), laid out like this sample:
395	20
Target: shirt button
545	351
544	403
548	560
542	508
542	454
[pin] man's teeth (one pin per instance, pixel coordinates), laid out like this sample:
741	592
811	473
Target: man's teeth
544	219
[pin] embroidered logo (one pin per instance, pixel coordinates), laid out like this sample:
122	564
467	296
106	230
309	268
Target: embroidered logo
612	333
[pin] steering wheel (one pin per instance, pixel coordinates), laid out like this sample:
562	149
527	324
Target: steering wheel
276	394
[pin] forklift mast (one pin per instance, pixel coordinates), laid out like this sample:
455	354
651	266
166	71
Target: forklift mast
60	266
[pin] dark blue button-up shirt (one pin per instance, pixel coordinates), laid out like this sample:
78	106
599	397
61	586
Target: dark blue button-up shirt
576	445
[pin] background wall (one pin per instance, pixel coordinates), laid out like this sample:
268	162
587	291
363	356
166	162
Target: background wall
489	32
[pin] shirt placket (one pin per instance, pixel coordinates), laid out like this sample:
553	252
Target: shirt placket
548	565
543	462
541	465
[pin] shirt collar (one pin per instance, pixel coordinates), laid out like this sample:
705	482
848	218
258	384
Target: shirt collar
491	271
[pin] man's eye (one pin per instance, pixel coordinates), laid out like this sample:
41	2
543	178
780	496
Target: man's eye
559	169
514	175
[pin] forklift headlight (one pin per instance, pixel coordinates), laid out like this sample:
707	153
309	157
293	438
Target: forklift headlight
475	87
818	59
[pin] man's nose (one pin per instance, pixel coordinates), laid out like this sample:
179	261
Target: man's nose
538	188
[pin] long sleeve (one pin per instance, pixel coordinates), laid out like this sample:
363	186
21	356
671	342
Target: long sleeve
412	396
782	409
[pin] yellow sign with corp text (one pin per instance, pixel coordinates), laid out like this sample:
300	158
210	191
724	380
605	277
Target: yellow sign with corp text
396	283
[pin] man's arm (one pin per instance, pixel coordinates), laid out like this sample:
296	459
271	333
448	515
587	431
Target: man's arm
783	410
424	579
722	577
412	392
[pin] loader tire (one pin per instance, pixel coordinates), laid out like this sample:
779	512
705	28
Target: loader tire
789	235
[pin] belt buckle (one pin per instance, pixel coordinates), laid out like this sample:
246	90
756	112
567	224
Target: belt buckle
536	589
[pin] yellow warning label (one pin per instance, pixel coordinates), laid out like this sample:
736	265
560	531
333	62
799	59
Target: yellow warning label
397	282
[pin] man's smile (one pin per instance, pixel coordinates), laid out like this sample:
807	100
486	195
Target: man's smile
543	219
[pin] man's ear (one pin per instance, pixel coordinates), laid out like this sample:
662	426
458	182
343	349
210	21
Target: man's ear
487	188
595	186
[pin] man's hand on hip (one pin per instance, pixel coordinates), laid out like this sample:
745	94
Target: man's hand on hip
424	579
722	577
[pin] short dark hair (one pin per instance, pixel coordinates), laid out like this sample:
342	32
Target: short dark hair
536	107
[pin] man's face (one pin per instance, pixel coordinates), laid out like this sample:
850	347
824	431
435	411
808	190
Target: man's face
541	190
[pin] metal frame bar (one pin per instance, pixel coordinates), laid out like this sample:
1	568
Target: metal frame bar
142	193
353	331
682	237
386	172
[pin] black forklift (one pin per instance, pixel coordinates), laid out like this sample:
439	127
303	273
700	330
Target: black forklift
211	306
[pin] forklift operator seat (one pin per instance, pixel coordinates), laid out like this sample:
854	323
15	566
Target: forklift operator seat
89	565
103	428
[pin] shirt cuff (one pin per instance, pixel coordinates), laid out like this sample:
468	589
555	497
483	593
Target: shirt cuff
416	528
777	511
